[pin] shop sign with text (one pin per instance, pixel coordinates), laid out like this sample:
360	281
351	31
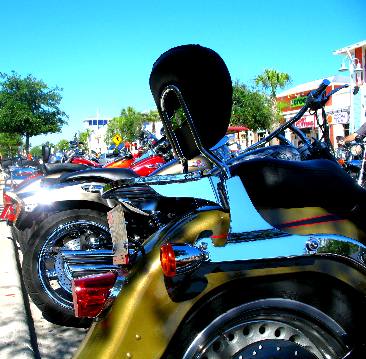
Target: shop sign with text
298	101
340	117
306	122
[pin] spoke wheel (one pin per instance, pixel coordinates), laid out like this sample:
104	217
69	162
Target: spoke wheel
46	276
52	271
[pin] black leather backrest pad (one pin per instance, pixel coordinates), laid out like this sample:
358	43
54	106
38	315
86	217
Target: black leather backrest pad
204	80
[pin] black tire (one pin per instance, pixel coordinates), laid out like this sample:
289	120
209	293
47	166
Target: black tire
47	283
21	237
268	328
327	312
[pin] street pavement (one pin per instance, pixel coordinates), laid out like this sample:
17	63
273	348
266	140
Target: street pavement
24	333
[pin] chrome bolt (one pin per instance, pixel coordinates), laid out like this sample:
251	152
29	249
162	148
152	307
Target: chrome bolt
312	244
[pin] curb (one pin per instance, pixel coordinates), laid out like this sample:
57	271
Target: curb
15	338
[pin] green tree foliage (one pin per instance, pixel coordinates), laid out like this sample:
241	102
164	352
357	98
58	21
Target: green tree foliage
9	144
152	116
251	108
62	145
128	125
84	138
36	151
29	107
271	80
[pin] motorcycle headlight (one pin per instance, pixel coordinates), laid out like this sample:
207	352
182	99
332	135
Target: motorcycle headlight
356	150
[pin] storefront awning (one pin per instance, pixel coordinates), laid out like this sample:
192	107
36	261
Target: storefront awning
236	129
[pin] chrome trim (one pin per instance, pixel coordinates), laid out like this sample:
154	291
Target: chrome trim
84	257
92	188
121	280
81	263
82	270
202	188
85	263
188	257
243	215
272	244
171	135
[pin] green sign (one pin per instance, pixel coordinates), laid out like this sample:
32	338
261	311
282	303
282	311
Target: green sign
298	101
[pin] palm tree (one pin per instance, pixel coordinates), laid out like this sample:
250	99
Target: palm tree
271	80
153	117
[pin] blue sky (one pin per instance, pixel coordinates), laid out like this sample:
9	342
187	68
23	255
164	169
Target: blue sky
101	52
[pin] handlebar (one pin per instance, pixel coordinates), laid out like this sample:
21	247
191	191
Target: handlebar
315	100
319	91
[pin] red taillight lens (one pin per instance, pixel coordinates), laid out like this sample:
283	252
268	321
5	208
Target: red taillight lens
10	211
7	200
167	260
91	293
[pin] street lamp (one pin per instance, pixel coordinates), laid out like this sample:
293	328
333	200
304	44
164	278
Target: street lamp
355	69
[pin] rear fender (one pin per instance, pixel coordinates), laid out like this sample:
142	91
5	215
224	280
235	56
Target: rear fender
151	308
145	300
48	201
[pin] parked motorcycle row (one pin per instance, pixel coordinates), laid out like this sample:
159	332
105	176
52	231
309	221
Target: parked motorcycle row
190	251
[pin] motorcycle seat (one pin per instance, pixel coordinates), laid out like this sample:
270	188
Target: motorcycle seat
104	174
52	168
274	183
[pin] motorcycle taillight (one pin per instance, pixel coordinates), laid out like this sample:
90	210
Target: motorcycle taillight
167	260
10	211
91	293
181	258
7	200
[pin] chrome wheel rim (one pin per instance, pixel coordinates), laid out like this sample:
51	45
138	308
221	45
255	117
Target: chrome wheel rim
270	328
260	339
54	275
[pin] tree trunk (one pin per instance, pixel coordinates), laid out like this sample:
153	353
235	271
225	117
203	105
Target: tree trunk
27	143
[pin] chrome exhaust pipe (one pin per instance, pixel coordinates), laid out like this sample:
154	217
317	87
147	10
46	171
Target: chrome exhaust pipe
78	270
82	263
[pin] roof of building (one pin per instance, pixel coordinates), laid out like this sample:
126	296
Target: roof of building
308	86
349	48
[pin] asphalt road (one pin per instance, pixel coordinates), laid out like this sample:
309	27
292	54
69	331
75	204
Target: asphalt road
24	333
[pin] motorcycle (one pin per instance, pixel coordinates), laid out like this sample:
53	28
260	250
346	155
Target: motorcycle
48	172
271	266
55	214
352	158
85	235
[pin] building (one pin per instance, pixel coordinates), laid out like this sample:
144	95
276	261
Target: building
97	126
337	108
346	109
354	64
